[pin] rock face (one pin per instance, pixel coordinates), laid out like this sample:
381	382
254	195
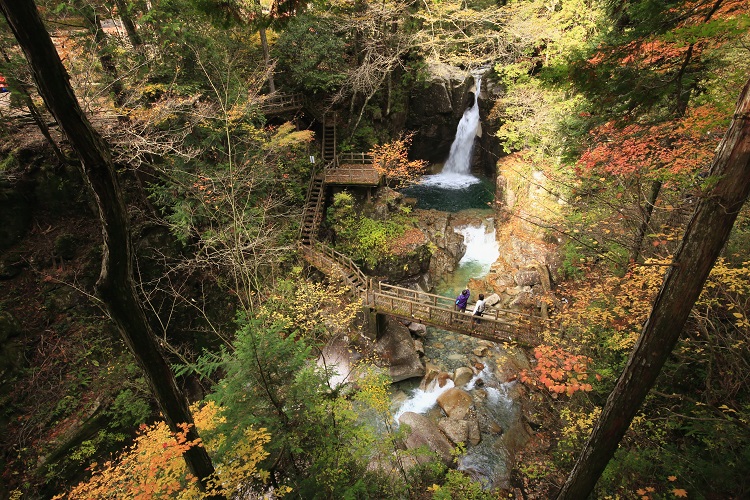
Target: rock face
448	246
395	349
435	110
425	433
455	402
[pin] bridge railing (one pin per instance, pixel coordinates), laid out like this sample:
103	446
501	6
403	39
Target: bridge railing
354	158
360	279
495	324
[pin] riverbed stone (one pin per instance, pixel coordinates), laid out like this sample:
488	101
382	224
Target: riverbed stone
475	436
443	379
419	347
494	428
462	376
417	329
455	402
431	373
480	351
456	430
423	432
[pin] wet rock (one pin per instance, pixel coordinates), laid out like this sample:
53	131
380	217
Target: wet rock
462	376
431	373
494	428
475	436
455	402
443	379
422	432
456	430
417	329
480	352
395	350
419	347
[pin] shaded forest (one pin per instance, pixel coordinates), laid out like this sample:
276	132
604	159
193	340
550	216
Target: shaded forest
159	328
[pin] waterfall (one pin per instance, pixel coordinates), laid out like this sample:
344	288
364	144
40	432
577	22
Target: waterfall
459	159
482	249
455	174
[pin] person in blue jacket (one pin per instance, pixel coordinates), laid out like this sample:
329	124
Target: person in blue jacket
462	300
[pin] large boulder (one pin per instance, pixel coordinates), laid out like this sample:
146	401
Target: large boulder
395	350
456	430
455	402
423	432
339	358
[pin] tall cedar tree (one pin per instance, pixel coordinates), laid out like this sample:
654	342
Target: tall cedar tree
115	286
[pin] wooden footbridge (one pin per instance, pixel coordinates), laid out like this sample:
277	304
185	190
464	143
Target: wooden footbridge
497	325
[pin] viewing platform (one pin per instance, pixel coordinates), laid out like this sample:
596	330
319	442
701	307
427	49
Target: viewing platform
353	169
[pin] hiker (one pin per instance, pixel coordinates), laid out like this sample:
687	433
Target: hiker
478	309
462	300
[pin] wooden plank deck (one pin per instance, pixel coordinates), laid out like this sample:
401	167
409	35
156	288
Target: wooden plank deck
353	174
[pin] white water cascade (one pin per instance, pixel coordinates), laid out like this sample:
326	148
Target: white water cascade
459	159
456	171
482	249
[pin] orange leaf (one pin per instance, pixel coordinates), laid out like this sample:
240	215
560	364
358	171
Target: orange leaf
679	492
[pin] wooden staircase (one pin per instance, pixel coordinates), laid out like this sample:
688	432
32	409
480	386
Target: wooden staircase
328	149
313	213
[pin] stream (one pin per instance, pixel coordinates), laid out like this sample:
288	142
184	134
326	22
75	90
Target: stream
497	402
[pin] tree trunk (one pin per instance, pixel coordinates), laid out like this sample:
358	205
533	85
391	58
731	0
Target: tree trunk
115	286
705	236
646	212
267	59
128	24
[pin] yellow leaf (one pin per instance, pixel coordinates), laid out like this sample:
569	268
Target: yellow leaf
737	315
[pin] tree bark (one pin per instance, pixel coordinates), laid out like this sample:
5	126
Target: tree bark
705	236
267	58
127	22
115	286
646	212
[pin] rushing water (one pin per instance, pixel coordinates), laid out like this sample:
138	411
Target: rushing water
496	402
459	159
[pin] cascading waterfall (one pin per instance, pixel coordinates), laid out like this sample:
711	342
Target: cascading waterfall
456	171
482	249
459	159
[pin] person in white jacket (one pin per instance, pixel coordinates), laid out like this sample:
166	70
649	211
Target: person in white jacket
478	309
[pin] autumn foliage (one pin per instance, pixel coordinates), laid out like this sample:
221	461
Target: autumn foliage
558	371
153	467
392	161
